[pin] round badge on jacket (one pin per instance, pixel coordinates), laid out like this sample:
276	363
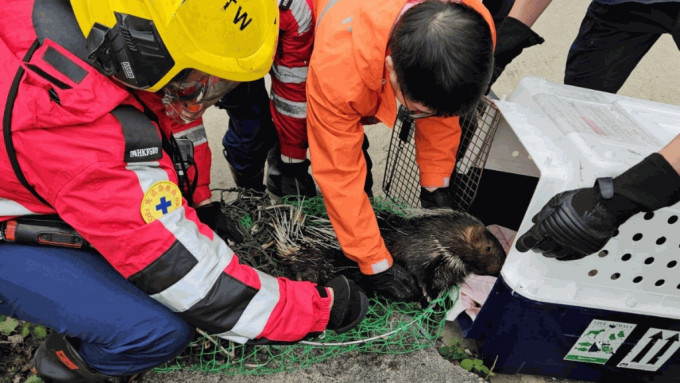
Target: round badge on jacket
161	198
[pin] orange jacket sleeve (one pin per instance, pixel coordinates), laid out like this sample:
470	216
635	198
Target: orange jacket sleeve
339	168
437	141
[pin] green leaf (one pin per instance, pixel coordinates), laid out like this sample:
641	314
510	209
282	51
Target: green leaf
466	364
459	355
34	379
477	362
26	330
2	318
484	370
443	351
40	332
8	325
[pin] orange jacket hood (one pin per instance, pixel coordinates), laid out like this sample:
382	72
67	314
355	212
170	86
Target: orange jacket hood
369	25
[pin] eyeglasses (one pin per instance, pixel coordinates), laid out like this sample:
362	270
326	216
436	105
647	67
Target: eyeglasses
188	95
415	114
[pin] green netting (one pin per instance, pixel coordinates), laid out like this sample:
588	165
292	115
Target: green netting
389	327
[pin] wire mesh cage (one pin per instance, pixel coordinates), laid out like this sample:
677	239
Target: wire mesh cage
401	181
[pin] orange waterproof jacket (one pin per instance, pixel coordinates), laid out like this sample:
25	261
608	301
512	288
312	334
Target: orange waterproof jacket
347	80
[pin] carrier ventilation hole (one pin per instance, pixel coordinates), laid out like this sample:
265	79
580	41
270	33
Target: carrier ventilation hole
672	219
659	283
626	257
672	264
637	279
648	215
661	240
603	253
616	233
615	276
592	273
637	237
649	261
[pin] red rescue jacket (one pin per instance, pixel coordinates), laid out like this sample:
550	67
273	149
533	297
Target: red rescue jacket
78	144
289	74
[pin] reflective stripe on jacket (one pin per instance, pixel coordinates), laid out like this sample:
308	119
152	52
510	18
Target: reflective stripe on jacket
289	74
84	145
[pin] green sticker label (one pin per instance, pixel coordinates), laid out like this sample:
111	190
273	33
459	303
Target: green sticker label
599	341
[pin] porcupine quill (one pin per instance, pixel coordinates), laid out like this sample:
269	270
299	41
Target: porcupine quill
439	247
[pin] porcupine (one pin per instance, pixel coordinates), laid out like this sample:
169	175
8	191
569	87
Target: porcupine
439	247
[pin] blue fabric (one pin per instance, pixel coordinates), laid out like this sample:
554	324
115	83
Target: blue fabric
251	133
613	39
121	330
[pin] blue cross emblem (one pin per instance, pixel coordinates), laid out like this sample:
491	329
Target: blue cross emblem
164	205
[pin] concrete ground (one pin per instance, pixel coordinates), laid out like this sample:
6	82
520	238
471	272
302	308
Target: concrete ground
657	78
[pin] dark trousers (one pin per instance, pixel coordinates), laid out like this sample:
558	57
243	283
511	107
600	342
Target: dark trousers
251	133
120	330
613	39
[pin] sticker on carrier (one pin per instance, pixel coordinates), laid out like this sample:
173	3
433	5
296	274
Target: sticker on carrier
599	341
652	350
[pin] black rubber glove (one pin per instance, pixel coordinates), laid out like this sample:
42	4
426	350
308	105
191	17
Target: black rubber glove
440	197
211	215
579	222
395	282
512	37
350	304
291	179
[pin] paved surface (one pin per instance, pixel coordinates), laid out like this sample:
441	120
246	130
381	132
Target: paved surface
657	78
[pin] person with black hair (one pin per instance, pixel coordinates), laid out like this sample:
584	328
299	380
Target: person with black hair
435	58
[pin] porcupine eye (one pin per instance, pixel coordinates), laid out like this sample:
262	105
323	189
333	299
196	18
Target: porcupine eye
488	248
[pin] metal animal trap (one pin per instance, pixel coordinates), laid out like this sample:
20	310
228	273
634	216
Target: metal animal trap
402	177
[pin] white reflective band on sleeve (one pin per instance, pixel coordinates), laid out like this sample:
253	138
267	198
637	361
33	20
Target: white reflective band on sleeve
197	135
379	267
290	75
302	14
255	317
148	173
291	160
213	257
290	108
11	208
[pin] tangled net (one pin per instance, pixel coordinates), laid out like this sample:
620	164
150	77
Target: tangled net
389	327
